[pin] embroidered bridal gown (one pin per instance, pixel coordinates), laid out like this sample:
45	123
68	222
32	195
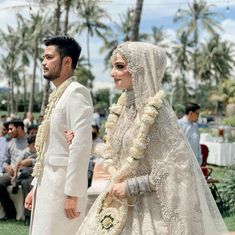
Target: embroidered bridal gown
180	202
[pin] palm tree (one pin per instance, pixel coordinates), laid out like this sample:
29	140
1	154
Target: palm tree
33	28
120	33
181	63
11	43
56	22
158	36
224	95
92	16
32	36
216	60
136	20
198	16
68	4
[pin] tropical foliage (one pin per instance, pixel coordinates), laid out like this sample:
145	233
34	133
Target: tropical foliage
196	70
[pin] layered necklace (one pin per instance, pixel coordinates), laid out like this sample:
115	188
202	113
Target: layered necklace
45	125
139	144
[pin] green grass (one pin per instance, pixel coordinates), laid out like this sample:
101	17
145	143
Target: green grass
230	222
18	228
13	228
221	173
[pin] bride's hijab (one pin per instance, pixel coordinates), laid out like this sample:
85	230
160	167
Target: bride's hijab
147	64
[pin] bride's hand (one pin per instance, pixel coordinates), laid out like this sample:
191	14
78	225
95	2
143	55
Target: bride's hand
69	136
118	190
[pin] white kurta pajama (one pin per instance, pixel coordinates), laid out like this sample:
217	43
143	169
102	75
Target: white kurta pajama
65	166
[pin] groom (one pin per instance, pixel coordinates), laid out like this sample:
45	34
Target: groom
58	198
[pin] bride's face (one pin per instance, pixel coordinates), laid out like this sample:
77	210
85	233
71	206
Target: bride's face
120	74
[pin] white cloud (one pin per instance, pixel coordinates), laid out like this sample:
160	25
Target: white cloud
229	30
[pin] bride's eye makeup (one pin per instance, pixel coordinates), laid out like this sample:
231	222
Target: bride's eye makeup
119	66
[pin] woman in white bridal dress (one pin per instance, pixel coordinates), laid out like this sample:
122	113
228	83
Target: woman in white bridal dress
157	187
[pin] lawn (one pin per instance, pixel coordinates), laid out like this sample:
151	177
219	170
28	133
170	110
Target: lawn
13	228
18	228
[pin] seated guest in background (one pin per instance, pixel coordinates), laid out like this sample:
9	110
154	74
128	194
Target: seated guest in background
32	130
22	172
3	143
29	120
14	148
3	118
191	129
40	119
95	139
95	134
96	117
24	166
5	128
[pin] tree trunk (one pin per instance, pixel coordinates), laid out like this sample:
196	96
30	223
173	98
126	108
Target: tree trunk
66	20
88	57
136	20
25	93
57	17
17	99
185	93
45	97
9	97
12	108
32	92
47	84
195	69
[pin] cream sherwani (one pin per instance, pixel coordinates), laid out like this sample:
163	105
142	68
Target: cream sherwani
65	166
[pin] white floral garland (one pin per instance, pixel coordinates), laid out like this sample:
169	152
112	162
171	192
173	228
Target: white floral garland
139	143
110	220
44	127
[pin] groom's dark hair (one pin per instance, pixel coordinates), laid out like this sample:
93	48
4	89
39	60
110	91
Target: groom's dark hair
66	46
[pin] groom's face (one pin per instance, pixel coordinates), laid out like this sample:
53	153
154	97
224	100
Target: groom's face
52	63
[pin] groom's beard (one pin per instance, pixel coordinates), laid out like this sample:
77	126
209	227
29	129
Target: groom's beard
53	74
50	77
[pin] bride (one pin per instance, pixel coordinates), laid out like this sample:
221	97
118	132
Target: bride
157	187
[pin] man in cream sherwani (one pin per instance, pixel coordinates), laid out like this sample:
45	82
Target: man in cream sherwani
58	198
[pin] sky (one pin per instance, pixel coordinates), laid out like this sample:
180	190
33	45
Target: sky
155	13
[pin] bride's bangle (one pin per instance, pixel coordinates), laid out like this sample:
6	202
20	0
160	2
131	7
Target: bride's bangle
138	186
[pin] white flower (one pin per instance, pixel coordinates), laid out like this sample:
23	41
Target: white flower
150	111
147	119
139	143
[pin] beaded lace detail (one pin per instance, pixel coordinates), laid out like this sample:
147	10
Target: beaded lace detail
181	203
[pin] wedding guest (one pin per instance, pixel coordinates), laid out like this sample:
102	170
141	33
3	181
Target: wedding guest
14	147
188	123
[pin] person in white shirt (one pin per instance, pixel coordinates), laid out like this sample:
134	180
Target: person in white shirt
191	130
